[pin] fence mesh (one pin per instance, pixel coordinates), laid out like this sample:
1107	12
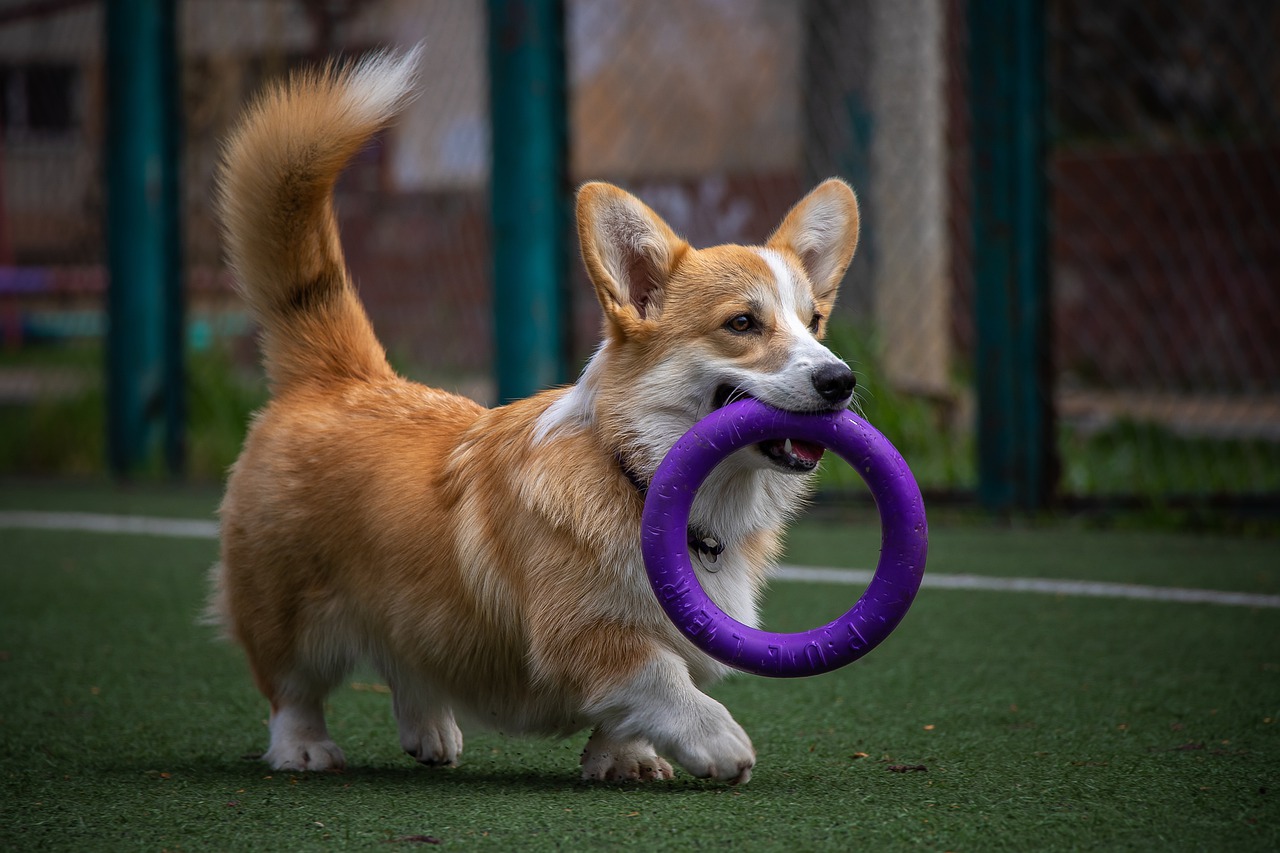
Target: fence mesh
1164	221
1165	175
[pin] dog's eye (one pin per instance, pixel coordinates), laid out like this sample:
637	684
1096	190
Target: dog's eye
815	323
742	323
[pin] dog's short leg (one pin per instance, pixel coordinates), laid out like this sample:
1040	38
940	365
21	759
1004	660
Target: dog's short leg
607	759
300	739
661	706
297	689
428	731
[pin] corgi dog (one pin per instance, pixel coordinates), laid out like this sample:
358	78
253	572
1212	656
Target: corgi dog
486	561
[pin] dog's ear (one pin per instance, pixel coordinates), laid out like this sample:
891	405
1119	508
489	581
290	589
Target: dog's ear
628	250
822	232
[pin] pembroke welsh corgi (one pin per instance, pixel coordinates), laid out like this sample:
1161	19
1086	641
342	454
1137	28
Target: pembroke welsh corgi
486	562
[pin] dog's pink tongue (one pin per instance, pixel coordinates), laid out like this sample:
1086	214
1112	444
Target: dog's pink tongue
801	451
807	450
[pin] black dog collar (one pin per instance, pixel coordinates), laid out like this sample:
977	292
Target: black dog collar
706	545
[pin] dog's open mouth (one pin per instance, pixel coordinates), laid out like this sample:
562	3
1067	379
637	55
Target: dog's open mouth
790	454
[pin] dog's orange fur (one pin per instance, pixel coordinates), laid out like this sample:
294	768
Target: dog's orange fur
487	560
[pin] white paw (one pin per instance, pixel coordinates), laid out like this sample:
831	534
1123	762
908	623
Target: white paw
661	706
305	755
608	760
726	754
300	741
436	744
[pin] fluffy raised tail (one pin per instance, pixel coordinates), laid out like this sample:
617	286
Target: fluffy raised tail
276	204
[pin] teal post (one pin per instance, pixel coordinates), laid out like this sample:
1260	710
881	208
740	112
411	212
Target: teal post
144	293
528	193
1010	269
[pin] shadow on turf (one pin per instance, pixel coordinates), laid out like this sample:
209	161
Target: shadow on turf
249	771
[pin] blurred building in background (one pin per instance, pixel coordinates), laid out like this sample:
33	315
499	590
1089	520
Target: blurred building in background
1163	173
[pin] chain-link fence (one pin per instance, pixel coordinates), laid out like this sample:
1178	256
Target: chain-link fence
1163	174
1165	177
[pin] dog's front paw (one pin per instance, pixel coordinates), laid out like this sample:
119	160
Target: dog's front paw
661	706
704	738
607	760
725	754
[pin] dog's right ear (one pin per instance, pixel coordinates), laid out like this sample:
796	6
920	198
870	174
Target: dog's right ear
629	253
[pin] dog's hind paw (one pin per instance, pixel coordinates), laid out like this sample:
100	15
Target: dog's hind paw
607	760
305	756
436	744
300	740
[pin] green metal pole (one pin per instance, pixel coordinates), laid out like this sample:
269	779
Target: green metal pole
528	193
1011	283
144	293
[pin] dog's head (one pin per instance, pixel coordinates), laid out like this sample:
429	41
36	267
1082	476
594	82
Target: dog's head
689	330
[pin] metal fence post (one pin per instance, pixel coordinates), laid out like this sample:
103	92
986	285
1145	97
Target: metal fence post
1011	284
528	193
144	294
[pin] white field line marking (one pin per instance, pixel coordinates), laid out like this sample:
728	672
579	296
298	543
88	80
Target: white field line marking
91	522
1084	589
197	529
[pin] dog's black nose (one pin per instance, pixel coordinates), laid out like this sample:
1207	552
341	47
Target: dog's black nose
834	382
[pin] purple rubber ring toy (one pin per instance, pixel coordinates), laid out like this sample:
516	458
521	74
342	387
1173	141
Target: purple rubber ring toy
904	540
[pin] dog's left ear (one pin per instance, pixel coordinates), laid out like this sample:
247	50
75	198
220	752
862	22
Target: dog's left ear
629	252
822	232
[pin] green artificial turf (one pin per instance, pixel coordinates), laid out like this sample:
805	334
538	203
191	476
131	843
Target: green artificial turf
987	721
1061	551
104	496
